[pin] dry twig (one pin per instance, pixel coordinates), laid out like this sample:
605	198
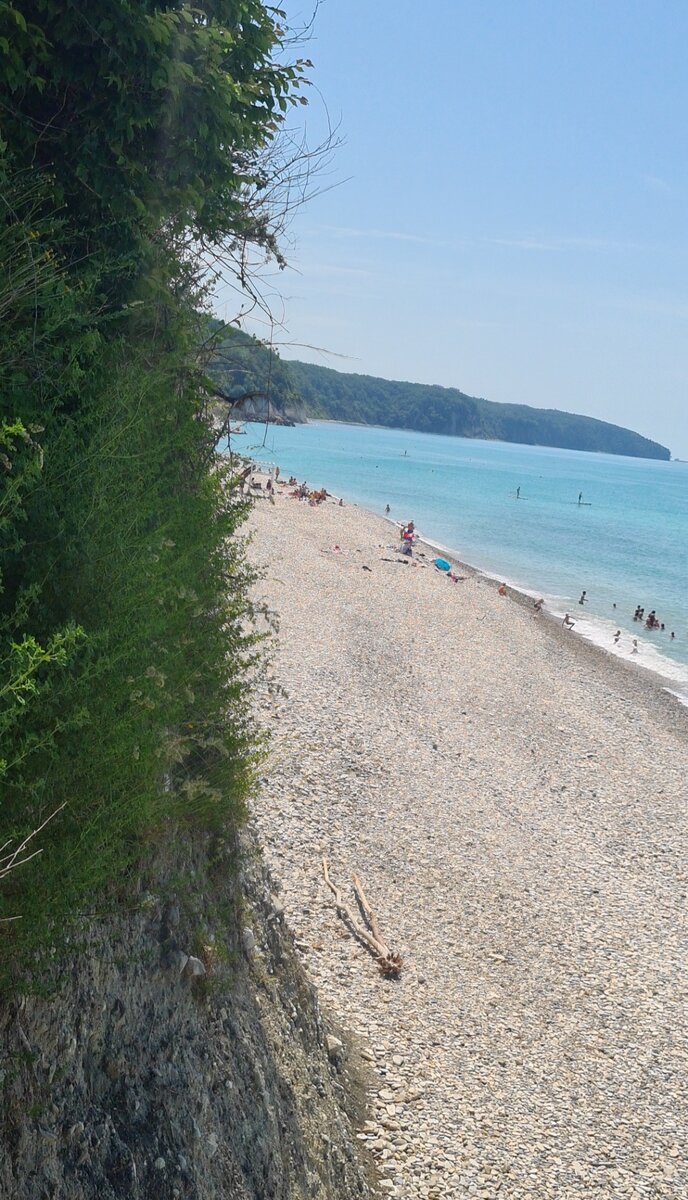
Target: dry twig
390	964
12	859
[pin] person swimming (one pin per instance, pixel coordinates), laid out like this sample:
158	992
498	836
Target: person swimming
617	635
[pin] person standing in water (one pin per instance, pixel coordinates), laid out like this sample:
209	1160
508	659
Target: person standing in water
580	497
583	598
518	492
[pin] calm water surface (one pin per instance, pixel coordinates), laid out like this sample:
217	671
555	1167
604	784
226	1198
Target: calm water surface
626	544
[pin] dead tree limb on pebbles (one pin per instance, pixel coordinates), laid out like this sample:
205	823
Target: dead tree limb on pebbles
390	964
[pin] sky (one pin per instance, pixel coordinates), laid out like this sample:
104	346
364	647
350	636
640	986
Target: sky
507	212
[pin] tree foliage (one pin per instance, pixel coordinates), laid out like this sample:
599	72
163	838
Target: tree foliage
242	365
131	131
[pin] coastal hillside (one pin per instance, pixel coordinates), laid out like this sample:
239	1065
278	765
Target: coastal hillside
260	384
251	377
341	396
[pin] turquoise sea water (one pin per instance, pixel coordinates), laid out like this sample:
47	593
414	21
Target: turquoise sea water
627	544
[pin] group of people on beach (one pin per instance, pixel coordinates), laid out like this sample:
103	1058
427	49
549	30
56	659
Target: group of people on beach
651	621
408	538
303	492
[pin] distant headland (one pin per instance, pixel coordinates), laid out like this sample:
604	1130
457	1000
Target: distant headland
260	384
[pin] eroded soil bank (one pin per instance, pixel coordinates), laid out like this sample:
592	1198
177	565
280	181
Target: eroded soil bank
144	1077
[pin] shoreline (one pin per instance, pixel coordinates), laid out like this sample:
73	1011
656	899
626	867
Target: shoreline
637	673
562	574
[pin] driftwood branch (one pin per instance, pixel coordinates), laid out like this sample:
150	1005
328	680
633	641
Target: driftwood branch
390	964
365	907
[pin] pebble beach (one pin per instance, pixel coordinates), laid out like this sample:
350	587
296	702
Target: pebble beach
514	801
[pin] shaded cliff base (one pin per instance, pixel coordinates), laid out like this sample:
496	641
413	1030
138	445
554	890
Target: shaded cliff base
184	1055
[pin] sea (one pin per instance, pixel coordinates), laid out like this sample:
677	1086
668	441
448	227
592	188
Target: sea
550	522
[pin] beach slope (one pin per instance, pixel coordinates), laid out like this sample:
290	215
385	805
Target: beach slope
515	804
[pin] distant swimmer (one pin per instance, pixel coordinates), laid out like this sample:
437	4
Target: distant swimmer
387	508
617	635
518	493
580	497
583	598
673	635
568	622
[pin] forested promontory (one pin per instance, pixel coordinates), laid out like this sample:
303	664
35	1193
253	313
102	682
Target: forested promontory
341	396
259	382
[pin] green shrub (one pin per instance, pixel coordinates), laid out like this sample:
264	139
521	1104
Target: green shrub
127	141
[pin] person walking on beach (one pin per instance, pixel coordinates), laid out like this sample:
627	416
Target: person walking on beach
568	622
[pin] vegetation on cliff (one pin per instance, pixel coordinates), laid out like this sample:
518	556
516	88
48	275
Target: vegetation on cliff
134	149
246	370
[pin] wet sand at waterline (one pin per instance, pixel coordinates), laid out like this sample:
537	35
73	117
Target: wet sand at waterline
514	801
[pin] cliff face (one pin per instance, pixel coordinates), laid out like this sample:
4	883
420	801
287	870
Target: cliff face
142	1076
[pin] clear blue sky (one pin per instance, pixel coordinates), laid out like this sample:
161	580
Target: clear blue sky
511	215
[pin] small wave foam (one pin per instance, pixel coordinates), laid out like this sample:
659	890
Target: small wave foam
597	630
601	632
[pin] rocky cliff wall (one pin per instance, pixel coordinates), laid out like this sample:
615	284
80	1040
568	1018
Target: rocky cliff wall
182	1055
